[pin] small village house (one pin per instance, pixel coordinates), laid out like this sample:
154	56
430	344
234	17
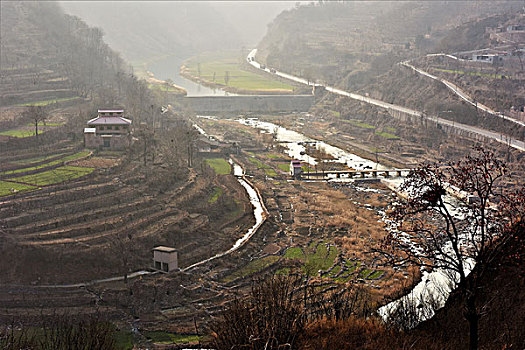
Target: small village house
488	58
295	168
109	130
165	259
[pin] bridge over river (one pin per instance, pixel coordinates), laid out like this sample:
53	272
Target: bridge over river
364	173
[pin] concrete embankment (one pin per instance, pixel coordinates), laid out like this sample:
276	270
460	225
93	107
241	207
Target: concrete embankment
251	103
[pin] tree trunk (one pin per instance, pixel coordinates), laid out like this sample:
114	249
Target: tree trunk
472	318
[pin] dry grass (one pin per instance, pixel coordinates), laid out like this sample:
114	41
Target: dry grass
97	162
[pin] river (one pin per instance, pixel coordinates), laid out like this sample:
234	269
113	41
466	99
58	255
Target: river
169	68
295	143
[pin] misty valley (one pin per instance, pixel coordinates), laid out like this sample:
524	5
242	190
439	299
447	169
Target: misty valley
262	175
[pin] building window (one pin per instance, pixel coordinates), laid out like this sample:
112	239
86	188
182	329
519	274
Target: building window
106	142
109	128
157	265
101	128
165	267
116	127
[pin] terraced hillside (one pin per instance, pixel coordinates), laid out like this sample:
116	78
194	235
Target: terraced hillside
348	43
28	77
48	57
83	217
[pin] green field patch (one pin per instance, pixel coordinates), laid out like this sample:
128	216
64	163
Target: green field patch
37	159
50	177
45	124
335	270
47	102
219	165
69	158
390	129
364	273
165	88
257	162
160	337
335	113
387	135
215	66
18	133
270	172
252	267
487	75
305	169
360	124
26	131
284	167
375	275
217	192
323	258
294	253
352	264
8	188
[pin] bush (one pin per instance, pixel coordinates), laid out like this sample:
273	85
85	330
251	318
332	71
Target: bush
278	311
271	317
60	333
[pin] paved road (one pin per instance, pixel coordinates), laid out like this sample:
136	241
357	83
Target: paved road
461	93
519	145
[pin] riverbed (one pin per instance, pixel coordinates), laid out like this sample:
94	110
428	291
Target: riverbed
434	287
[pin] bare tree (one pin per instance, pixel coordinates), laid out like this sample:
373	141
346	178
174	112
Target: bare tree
226	77
149	142
35	115
436	234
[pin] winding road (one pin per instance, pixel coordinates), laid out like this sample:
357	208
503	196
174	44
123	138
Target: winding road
517	144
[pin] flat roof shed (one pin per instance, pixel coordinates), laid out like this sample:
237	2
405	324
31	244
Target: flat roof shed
165	258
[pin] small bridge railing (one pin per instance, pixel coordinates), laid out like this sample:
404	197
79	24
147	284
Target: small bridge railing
366	173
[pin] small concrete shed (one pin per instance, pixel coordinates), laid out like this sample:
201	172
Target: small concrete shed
165	259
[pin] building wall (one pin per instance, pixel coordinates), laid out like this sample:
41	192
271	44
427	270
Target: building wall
165	261
117	142
105	129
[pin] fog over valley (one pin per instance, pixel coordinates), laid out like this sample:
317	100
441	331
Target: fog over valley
140	30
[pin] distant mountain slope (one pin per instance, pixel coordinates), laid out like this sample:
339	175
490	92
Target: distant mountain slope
347	43
29	63
47	55
141	29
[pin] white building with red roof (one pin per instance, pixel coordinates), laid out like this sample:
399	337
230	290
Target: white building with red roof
109	130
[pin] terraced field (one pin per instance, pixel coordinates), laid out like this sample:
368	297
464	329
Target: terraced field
41	171
83	222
